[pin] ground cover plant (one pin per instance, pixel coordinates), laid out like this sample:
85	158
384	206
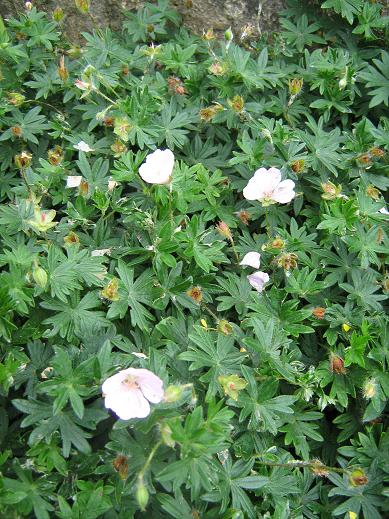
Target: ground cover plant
226	298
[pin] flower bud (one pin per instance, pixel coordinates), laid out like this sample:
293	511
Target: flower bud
217	69
377	152
224	230
287	261
358	478
28	6
55	156
111	290
142	495
331	191
62	70
231	385
196	294
173	394
166	435
58	14
74	52
209	35
204	324
298	165
224	327
295	86
373	192
342	83
71	239
23	160
16	131
16	99
120	464
244	216
236	103
40	276
228	35
370	389
337	364
346	327
319	312
82	5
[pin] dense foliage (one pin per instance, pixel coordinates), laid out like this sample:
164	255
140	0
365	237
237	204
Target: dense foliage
275	401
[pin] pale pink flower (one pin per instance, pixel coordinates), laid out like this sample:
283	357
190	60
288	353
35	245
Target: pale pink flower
258	279
267	187
129	392
251	259
82	85
83	146
158	167
73	181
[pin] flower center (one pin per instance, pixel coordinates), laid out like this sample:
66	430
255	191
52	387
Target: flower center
268	195
130	382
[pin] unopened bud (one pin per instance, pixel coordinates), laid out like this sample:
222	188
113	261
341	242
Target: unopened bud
319	312
224	230
295	86
28	6
337	364
120	464
208	35
358	478
74	52
346	327
298	165
111	290
142	495
373	192
40	276
71	239
236	103
16	99
331	191
224	327
58	14
228	35
342	83
82	5
166	435
231	385
23	160
173	394
62	70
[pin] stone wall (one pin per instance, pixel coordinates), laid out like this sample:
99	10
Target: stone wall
198	15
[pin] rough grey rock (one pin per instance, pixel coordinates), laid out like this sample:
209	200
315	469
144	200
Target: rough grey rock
198	15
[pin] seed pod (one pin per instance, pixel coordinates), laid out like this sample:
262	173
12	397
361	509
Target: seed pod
40	276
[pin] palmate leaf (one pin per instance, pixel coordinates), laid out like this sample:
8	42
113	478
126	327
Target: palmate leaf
214	352
75	317
346	8
71	432
258	402
377	79
134	295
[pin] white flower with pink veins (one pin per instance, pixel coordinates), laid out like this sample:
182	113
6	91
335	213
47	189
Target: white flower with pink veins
258	280
267	187
129	392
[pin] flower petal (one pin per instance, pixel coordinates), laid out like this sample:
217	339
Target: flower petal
284	192
251	259
158	167
150	385
113	383
258	279
253	190
73	181
128	404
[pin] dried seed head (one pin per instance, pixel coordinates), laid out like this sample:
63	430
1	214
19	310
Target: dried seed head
373	192
23	160
318	468
236	103
358	478
196	294
71	239
298	165
224	230
111	291
337	364
287	261
377	152
224	327
295	86
120	464
16	131
244	216
319	312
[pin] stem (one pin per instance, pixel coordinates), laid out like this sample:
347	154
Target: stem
149	459
26	183
302	464
234	249
210	312
267	222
